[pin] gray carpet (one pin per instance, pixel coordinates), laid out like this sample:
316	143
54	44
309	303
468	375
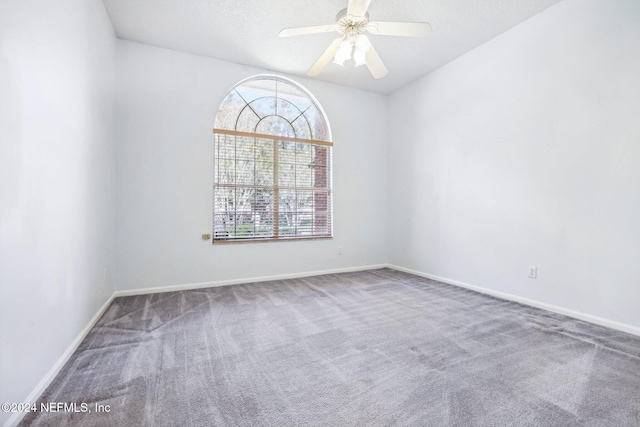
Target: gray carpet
373	348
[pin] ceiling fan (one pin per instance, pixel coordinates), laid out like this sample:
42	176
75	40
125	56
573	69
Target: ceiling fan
351	24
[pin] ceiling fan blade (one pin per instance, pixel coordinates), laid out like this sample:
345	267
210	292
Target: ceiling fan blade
301	31
375	64
404	29
325	58
358	7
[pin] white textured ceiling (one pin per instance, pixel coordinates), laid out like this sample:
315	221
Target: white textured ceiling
246	32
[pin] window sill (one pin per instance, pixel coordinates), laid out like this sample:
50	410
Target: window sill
270	239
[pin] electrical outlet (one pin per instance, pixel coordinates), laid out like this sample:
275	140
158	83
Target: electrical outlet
339	250
533	272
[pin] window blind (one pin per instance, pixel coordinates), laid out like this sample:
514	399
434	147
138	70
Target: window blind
271	187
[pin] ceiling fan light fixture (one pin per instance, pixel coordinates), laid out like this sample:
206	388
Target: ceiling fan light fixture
345	49
343	53
359	57
362	43
339	59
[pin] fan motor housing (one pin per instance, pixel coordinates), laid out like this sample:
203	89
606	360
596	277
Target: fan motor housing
351	25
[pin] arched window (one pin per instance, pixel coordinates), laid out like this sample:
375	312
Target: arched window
272	176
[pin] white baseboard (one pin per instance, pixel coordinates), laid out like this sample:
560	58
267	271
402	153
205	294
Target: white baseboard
624	327
189	286
55	369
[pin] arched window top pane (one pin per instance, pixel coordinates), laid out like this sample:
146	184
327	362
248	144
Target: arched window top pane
274	106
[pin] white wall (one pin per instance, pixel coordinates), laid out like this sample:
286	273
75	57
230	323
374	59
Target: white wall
57	182
525	152
166	106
